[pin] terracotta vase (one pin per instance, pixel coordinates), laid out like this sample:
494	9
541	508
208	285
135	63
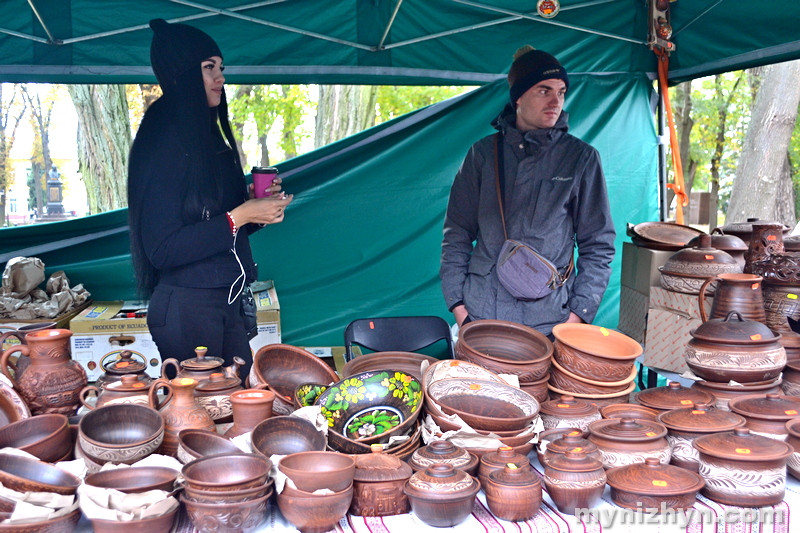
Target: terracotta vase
574	481
52	382
250	408
766	240
735	292
183	411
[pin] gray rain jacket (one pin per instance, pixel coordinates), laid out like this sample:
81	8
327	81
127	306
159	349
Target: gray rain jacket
555	197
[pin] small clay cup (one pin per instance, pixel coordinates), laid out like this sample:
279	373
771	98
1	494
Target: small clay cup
250	408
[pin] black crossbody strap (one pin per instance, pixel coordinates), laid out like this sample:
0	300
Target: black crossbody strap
498	176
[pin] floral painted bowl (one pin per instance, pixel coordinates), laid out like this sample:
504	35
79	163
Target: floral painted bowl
307	393
369	407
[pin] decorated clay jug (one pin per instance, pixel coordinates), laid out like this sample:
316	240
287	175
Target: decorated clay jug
202	366
23	361
182	411
129	389
52	382
735	292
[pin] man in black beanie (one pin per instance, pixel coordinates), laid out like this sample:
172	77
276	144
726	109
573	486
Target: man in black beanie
553	198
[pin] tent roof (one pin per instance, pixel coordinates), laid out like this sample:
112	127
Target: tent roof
386	41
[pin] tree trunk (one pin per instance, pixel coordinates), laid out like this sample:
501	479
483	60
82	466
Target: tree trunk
41	116
722	104
343	110
11	113
262	142
237	126
104	140
683	116
760	171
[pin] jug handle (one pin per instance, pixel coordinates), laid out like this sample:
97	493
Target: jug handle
171	361
84	393
233	370
701	297
152	396
4	362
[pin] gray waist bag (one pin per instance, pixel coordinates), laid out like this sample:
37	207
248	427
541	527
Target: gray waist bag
525	274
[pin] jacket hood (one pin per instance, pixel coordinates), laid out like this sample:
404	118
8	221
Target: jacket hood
507	120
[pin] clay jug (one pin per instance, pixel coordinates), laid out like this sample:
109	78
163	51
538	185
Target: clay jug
129	389
183	411
250	407
735	292
23	361
52	381
766	240
202	366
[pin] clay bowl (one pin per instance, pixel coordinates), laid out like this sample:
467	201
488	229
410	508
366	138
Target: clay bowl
564	379
284	435
121	433
196	443
219	496
156	524
342	444
505	348
241	517
372	406
313	513
46	436
652	485
227	472
595	353
537	389
135	479
62	524
723	393
455	368
629	410
24	474
446	425
406	362
486	405
307	393
283	368
600	400
312	471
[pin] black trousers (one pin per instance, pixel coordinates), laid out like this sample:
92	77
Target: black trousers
182	318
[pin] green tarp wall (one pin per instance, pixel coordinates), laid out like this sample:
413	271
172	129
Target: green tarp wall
363	235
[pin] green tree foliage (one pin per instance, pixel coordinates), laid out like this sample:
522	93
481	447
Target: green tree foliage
394	101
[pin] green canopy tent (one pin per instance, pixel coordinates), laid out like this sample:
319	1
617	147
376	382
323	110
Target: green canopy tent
362	238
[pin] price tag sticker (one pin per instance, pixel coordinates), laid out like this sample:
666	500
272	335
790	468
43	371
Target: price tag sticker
792	296
659	483
743	450
709	257
605	332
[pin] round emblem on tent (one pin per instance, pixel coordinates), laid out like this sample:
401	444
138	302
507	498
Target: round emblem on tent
548	8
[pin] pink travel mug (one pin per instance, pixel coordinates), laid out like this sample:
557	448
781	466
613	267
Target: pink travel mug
262	180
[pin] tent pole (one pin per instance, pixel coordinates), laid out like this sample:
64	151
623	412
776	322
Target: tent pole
389	25
39	18
663	204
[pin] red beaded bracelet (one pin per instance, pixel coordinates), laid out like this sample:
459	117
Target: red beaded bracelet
232	223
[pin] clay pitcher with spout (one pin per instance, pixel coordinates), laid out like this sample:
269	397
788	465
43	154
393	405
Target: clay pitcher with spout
183	411
735	292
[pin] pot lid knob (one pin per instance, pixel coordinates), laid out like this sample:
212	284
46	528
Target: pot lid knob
440	470
741	431
652	461
441	447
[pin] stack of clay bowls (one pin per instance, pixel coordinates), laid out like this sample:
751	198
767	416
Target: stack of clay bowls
593	363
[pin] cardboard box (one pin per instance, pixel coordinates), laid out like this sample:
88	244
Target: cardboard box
99	337
640	267
62	322
686	305
268	315
666	338
633	308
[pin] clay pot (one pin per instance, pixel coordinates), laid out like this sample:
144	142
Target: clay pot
629	410
314	513
574	481
595	353
686	425
250	408
125	365
202	366
731	244
123	433
550	435
242	517
724	393
214	394
767	414
568	411
672	396
765	241
686	270
513	494
793	440
743	469
52	381
572	441
781	268
441	496
505	348
128	389
744	230
498	459
734	292
378	484
652	485
443	452
627	441
781	302
182	412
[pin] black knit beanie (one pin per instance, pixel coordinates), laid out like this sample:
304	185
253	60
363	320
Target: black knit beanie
531	66
177	48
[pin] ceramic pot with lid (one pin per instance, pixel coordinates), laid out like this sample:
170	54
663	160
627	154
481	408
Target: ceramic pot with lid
672	396
214	394
571	441
652	485
742	468
497	460
767	414
202	366
513	494
731	244
735	349
568	411
685	425
574	481
128	389
793	440
441	496
443	452
687	269
626	441
123	364
549	435
725	392
744	230
378	484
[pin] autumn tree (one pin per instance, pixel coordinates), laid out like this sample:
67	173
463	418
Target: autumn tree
12	109
41	116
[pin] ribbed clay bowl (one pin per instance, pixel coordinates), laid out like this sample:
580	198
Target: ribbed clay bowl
46	436
283	367
564	379
505	348
407	362
594	352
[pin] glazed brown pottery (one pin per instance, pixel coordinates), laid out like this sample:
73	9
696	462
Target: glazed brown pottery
724	392
214	394
652	485
731	244
628	410
155	524
765	241
135	479
505	348
767	414
284	435
408	362
744	230
685	425
735	292
672	396
250	408
686	270
196	443
52	381
568	411
513	494
227	472
182	412
443	452
125	365
311	471
128	389
441	496
241	517
735	349
574	481
46	436
572	441
743	469
594	352
313	513
378	484
123	433
626	441
498	459
24	474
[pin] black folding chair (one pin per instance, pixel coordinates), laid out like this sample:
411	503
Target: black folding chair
398	333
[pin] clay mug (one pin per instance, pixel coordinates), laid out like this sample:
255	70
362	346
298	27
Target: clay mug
183	411
250	407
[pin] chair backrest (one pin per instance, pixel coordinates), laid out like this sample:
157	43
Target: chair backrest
397	334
